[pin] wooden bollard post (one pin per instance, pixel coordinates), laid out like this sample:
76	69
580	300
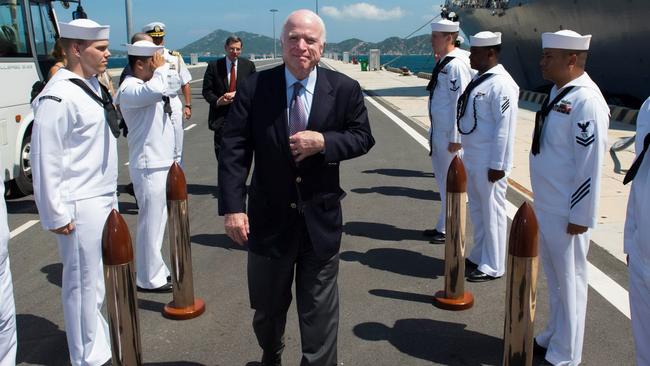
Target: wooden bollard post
454	297
521	293
185	305
122	302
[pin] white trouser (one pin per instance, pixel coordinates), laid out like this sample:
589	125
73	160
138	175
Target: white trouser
639	277
150	190
440	159
487	208
177	120
564	258
83	281
8	338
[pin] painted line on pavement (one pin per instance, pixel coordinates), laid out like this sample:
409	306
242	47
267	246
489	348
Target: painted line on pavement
20	229
614	293
190	127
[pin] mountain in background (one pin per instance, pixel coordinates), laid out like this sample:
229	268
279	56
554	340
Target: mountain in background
212	45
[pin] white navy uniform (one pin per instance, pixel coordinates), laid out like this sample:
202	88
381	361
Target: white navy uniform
637	243
452	80
151	153
565	178
8	340
177	76
74	162
492	114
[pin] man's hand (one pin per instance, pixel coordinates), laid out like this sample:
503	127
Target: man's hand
495	175
453	147
236	226
187	112
157	60
573	229
306	143
226	99
64	230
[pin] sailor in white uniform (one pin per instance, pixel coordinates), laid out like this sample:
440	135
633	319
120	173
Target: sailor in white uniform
637	237
449	78
8	340
74	161
178	80
565	167
148	116
487	116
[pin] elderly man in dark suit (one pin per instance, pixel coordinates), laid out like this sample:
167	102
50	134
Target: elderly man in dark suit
298	121
220	82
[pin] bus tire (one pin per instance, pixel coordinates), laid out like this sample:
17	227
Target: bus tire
24	178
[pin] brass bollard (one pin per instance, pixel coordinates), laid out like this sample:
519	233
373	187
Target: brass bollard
454	296
121	299
185	305
521	293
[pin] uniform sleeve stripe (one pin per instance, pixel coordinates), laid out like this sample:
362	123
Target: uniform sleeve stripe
586	184
505	106
579	198
585	142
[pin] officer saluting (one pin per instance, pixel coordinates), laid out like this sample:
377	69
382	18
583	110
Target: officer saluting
178	79
74	161
487	115
565	166
637	232
148	116
449	78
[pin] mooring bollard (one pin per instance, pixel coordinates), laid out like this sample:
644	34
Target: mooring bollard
454	296
185	305
121	299
521	293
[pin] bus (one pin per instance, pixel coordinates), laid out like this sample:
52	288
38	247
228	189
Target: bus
28	30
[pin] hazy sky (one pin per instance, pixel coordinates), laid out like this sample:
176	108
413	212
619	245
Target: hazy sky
189	20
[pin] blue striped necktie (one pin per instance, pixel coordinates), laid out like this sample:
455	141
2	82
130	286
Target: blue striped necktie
297	112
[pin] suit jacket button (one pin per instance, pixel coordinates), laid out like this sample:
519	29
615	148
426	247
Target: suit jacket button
298	180
293	205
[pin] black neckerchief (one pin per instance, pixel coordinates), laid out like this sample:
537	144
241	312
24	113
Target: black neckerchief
106	101
434	74
540	116
629	176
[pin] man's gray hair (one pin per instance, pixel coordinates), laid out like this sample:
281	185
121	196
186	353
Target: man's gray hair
140	36
311	14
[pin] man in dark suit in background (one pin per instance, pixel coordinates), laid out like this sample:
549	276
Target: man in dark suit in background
219	84
298	121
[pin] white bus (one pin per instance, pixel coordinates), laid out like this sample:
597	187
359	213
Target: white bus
28	29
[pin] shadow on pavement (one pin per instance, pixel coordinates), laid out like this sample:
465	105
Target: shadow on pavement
401	295
54	273
216	241
400	173
174	363
421	194
40	342
378	231
436	341
155	306
25	206
202	189
400	261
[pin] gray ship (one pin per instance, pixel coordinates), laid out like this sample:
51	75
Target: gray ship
619	58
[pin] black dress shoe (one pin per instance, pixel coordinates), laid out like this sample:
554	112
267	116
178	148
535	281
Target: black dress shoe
438	238
429	232
470	265
166	288
538	351
271	360
478	276
169	279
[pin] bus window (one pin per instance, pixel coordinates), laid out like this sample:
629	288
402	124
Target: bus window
13	32
43	30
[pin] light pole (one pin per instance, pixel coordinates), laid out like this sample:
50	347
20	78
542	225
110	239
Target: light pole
129	21
316	7
273	11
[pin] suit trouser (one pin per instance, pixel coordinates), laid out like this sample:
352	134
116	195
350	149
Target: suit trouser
177	121
564	258
83	281
8	340
150	186
317	299
639	278
440	159
217	141
487	208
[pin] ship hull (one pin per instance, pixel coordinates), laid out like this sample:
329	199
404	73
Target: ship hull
619	56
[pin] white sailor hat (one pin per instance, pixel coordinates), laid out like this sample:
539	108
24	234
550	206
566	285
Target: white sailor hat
154	29
566	40
142	48
460	39
445	25
485	39
85	29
